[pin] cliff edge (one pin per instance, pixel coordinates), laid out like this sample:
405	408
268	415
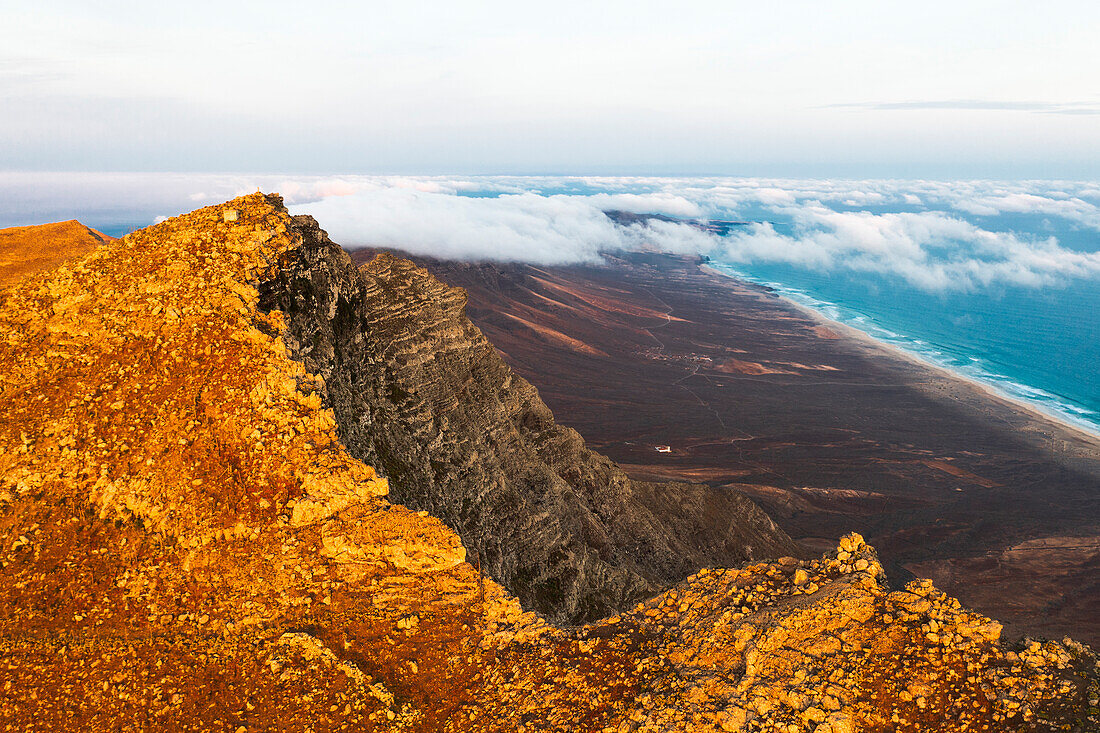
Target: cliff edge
186	544
420	394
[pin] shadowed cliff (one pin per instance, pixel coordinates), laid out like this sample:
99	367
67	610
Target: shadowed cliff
826	431
421	395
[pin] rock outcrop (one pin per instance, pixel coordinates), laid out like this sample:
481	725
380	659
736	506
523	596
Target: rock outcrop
421	395
186	545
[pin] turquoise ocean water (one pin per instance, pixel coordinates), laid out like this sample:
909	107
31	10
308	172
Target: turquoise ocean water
1040	347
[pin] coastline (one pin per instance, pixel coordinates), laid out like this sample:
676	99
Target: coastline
827	428
990	390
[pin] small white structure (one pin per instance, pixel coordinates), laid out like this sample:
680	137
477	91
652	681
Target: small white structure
663	448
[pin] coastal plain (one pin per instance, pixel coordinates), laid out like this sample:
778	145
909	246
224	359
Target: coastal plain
827	429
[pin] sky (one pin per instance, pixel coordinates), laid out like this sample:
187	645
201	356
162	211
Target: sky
848	88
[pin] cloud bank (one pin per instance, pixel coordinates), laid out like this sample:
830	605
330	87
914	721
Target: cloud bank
523	227
526	227
934	235
929	250
825	226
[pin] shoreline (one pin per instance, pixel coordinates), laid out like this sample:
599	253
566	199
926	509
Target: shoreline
827	428
849	331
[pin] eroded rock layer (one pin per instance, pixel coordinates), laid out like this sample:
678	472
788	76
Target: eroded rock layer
420	394
186	545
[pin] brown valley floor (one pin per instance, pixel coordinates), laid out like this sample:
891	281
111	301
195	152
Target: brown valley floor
829	432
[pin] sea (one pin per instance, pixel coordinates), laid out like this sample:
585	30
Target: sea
997	281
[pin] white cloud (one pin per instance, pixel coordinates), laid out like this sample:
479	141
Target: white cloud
930	250
649	203
526	227
559	220
1053	204
426	218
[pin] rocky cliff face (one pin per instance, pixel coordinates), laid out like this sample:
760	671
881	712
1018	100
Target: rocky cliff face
421	395
185	544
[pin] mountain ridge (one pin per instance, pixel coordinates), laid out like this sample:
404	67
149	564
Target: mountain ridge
420	394
828	432
29	249
186	544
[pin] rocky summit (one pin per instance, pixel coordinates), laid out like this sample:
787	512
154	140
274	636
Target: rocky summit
190	538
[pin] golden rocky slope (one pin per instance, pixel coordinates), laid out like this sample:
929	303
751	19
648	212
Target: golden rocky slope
185	545
25	250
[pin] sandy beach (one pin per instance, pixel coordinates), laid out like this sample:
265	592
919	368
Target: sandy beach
850	332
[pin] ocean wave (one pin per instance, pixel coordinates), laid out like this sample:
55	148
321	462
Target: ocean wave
966	365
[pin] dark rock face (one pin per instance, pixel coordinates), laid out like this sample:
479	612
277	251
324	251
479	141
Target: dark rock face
419	393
